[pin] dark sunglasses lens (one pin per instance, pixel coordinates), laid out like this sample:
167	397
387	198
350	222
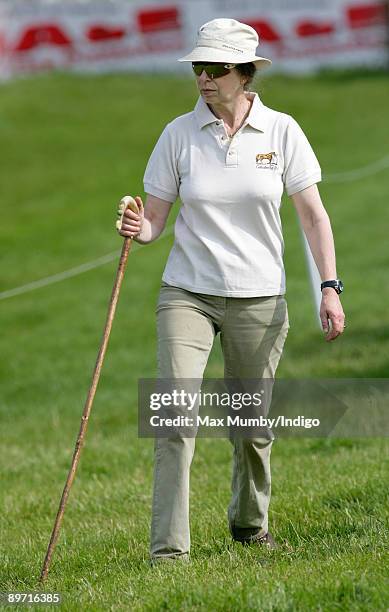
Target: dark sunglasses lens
198	68
213	70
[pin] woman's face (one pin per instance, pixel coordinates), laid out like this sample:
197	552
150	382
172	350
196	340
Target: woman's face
221	90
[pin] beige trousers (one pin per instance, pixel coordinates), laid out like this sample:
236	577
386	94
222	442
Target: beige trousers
252	335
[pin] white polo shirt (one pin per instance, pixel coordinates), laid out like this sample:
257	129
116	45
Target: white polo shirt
228	233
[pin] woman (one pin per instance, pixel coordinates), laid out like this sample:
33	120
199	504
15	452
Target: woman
229	161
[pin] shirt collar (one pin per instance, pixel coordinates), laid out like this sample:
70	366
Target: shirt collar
256	118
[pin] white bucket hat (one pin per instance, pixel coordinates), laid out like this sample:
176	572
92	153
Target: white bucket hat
226	40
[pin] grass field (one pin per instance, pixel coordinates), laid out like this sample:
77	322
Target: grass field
70	148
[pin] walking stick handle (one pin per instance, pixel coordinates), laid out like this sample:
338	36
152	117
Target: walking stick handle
89	400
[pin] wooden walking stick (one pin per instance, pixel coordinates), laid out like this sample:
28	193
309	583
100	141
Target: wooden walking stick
126	202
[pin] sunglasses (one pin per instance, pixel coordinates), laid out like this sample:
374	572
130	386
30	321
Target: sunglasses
214	71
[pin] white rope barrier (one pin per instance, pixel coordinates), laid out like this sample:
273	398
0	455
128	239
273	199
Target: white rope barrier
56	278
358	173
340	177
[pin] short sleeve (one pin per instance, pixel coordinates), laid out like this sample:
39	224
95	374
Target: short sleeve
301	167
161	177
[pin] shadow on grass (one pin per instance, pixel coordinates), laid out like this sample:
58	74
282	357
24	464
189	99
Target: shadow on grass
347	592
367	499
336	76
354	343
332	445
341	77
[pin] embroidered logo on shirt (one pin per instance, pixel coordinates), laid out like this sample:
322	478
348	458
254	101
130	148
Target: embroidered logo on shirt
267	161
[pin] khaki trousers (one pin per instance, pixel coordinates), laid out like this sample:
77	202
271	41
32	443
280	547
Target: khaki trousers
252	335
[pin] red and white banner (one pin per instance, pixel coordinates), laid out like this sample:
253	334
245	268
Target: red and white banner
88	35
96	35
303	35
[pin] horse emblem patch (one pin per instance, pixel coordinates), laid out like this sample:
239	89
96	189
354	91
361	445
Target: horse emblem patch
267	161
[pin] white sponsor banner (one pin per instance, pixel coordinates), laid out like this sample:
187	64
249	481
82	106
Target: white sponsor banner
298	35
89	35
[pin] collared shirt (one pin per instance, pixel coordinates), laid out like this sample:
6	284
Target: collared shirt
228	233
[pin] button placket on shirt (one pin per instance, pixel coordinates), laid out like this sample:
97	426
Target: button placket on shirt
229	145
232	153
221	132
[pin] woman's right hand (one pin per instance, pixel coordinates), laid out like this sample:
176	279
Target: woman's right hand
132	222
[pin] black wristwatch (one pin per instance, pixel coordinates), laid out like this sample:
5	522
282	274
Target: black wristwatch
335	284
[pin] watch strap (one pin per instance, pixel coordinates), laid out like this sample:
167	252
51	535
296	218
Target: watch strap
335	284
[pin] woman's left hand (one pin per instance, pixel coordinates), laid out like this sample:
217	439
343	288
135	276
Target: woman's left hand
331	310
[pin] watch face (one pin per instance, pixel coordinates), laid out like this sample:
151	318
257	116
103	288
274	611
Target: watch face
339	287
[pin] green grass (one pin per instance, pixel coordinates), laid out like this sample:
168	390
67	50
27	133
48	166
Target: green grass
71	147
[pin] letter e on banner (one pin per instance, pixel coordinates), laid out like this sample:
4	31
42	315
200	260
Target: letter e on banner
314	28
98	33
